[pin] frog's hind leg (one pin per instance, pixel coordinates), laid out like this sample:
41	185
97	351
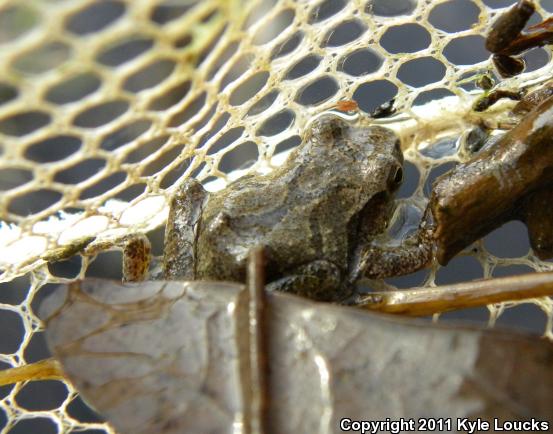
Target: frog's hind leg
179	255
318	280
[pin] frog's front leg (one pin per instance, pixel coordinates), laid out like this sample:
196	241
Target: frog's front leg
379	261
317	280
179	254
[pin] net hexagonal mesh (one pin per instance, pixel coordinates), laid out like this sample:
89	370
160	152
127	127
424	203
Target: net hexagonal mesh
106	106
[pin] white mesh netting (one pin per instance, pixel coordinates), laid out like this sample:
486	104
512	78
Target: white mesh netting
106	106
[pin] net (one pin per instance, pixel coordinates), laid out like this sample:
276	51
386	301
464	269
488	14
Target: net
105	107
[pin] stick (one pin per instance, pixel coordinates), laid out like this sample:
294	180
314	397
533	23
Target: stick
48	369
427	301
257	342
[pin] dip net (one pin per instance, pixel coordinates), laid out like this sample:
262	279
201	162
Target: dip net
106	106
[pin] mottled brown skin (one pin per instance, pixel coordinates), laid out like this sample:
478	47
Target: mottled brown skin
492	188
316	216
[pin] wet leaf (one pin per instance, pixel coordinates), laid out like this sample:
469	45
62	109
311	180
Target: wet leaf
170	357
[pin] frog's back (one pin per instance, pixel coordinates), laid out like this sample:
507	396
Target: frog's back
290	212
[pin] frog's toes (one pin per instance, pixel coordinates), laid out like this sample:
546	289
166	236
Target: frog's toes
136	258
318	280
136	253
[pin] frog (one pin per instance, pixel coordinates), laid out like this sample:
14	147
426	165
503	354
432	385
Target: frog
320	217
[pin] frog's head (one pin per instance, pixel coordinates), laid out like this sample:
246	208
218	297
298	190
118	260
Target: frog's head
374	152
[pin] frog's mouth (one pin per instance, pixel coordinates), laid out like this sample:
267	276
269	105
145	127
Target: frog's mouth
370	222
372	219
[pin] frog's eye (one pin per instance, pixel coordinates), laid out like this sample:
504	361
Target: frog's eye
396	177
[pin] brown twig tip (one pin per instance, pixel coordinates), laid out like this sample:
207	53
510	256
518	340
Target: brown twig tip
48	369
507	27
427	301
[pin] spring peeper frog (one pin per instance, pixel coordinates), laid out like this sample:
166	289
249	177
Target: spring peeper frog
318	217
